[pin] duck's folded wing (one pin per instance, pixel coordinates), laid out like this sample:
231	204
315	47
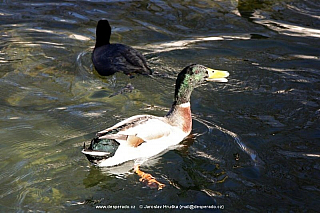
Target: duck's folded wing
127	123
134	59
138	129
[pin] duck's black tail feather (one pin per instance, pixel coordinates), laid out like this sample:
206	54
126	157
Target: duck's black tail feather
100	149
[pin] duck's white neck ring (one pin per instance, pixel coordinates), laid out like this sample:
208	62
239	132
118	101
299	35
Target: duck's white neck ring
184	105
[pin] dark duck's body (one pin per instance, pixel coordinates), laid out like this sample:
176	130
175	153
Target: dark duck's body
144	136
111	58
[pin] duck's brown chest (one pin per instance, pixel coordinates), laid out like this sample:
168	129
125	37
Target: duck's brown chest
187	120
180	116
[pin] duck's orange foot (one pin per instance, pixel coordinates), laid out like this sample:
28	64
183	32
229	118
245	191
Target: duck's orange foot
148	179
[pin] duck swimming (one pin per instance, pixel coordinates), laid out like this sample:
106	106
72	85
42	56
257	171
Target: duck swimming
143	136
111	58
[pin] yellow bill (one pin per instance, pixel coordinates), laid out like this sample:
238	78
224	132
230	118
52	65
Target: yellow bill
217	75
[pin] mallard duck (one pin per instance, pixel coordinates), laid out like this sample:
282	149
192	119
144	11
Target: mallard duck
111	58
144	136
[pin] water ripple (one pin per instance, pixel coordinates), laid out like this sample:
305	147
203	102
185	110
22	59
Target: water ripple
253	155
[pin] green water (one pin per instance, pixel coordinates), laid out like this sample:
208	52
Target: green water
255	140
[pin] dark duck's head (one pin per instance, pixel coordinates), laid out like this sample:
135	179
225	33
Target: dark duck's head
111	58
103	33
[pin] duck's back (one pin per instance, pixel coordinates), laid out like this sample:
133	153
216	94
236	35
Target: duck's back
112	58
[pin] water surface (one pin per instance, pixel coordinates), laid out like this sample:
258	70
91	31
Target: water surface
255	140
